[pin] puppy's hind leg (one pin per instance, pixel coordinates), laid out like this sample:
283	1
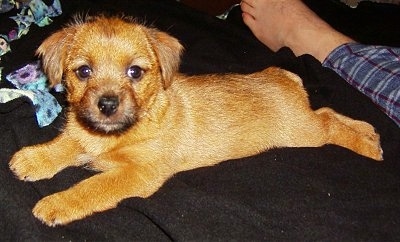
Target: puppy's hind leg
355	135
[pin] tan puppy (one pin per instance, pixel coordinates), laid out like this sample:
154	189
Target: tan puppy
138	121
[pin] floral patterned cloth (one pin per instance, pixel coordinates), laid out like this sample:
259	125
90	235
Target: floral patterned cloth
29	81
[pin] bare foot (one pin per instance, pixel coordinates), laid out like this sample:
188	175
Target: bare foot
279	23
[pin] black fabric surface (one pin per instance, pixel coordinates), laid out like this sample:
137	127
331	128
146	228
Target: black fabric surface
286	194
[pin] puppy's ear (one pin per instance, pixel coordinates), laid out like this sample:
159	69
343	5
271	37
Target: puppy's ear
53	52
168	50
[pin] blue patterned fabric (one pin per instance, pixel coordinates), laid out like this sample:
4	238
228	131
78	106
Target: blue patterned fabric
31	82
31	12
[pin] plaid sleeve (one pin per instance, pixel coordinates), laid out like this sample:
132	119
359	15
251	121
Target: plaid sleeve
373	70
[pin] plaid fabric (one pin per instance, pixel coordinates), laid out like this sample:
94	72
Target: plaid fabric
373	70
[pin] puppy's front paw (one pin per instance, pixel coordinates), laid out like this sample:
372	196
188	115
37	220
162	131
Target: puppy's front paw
32	164
53	210
59	209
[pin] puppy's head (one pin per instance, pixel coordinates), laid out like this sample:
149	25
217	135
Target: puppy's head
112	68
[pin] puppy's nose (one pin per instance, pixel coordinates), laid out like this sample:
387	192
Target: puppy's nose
108	105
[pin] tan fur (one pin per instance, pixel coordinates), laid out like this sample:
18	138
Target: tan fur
165	122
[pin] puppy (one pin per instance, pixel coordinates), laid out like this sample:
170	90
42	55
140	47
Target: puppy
137	121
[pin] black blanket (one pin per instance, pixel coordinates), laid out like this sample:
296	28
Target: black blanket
327	193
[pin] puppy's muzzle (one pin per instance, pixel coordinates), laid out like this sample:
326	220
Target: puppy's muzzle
108	112
108	105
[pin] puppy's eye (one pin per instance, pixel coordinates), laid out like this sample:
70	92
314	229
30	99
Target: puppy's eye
134	72
83	72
